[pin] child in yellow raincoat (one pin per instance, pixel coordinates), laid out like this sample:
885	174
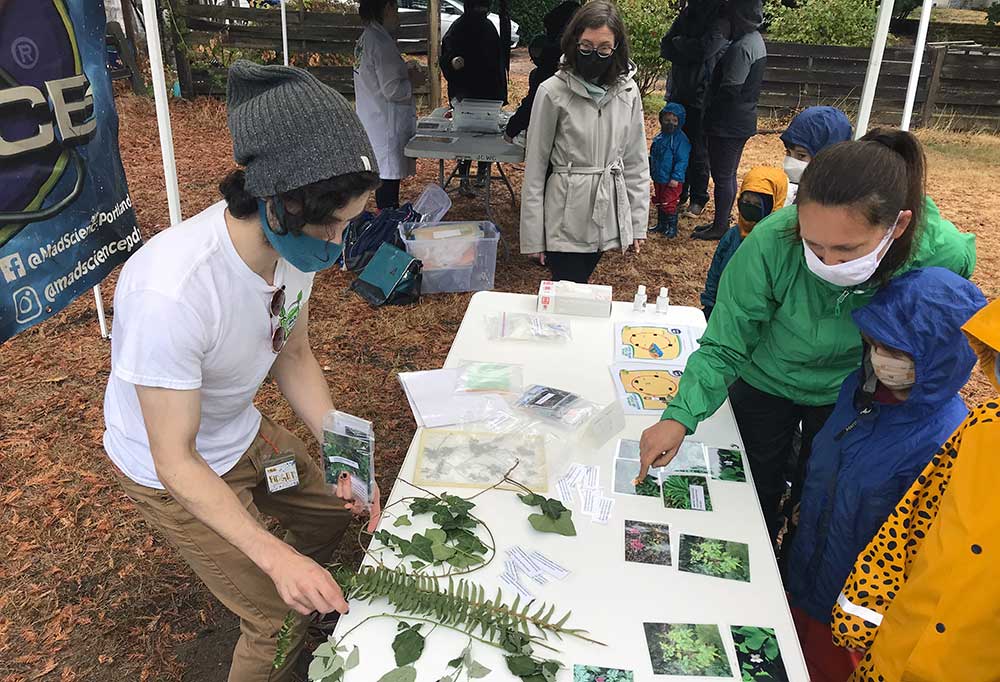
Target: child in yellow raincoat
924	596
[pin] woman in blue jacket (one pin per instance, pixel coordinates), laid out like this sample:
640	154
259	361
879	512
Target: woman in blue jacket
890	418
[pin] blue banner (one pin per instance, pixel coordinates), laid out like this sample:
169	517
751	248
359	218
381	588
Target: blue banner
66	217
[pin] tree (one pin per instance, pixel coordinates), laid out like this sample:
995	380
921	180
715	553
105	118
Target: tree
646	22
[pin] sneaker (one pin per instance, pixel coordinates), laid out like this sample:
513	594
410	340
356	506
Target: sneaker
703	228
695	209
465	189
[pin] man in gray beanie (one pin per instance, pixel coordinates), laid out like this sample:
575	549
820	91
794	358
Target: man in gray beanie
203	313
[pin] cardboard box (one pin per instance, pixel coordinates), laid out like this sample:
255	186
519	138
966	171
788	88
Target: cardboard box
570	298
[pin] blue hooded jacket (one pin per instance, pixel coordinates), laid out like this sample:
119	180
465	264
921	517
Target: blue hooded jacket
868	453
816	128
668	157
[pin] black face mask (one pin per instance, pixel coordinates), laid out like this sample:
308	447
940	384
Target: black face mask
750	212
592	67
669	128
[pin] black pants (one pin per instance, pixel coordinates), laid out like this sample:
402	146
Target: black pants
768	425
724	154
387	195
696	181
572	267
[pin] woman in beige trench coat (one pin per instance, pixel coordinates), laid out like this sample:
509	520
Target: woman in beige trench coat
586	179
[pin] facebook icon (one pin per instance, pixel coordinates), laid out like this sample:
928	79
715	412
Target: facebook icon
12	267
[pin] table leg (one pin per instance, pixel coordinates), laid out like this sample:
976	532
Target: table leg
513	200
441	173
489	208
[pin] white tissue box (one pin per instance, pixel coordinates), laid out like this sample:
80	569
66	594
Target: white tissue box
570	298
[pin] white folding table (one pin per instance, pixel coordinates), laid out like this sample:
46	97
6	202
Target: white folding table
609	598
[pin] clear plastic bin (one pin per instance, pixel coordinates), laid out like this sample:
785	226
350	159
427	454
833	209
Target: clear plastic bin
433	204
457	256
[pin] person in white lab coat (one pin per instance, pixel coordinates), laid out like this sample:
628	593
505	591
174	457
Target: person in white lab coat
383	87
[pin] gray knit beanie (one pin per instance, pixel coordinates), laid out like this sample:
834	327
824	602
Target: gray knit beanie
290	130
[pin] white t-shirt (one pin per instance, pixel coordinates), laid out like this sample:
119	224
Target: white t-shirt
190	314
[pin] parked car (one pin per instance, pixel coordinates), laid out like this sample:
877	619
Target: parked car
451	10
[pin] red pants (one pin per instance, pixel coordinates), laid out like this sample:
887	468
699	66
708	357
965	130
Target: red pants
826	661
666	197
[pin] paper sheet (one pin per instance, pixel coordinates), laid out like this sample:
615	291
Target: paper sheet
654	342
645	387
435	403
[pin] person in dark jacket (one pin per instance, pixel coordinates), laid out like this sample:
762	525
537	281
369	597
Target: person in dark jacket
695	43
889	420
474	61
731	110
545	52
668	161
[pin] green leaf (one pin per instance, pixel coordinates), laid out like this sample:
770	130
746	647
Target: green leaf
457	662
353	659
420	546
442	552
417	565
553	508
522	665
476	670
458	505
563	525
436	536
402	521
408	646
424	505
404	674
324	650
532	500
462	561
321	668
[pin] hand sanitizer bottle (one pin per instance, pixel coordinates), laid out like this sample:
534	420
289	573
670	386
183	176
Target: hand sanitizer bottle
639	305
663	300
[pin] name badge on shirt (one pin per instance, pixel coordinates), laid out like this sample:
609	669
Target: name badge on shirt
281	473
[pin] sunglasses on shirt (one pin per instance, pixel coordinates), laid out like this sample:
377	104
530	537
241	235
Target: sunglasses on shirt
278	335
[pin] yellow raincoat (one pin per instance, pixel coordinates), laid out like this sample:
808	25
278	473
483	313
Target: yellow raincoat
924	596
764	180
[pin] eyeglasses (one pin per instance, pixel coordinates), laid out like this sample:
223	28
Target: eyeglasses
278	335
603	51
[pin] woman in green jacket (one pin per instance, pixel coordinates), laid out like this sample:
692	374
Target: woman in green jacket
781	339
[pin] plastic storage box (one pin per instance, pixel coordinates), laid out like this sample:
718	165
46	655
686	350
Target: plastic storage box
457	256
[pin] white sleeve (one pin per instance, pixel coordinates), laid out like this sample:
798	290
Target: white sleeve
157	341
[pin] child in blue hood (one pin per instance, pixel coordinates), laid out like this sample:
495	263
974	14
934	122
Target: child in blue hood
811	131
668	162
889	420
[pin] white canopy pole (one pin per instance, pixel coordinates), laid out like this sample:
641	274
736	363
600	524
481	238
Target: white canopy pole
284	32
918	60
874	67
162	110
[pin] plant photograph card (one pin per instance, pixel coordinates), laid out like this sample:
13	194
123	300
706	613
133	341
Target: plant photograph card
715	558
727	464
593	673
669	344
647	543
645	388
758	655
691	458
683	649
686	492
626	471
478	460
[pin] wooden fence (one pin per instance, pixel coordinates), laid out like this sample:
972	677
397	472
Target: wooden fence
940	32
959	87
323	33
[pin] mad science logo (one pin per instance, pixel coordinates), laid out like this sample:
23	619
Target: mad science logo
46	110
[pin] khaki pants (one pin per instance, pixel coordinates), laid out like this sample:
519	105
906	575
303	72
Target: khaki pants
314	519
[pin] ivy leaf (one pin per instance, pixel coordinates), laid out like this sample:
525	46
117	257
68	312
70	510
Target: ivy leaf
402	521
442	552
461	561
408	645
423	505
563	525
458	505
404	674
436	536
522	666
514	642
549	670
532	500
322	667
466	541
420	547
324	650
417	565
553	508
456	662
476	670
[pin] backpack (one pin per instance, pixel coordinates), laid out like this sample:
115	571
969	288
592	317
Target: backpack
392	276
369	231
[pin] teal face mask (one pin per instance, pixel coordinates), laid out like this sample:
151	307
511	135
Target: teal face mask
306	253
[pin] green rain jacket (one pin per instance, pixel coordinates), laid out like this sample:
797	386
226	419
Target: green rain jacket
784	330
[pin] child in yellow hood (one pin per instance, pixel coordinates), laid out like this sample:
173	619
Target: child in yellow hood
763	191
924	595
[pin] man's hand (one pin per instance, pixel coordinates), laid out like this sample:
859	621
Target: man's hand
659	444
673	183
358	507
303	584
540	257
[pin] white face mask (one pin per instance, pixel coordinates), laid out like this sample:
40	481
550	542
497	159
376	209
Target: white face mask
894	372
853	272
794	169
